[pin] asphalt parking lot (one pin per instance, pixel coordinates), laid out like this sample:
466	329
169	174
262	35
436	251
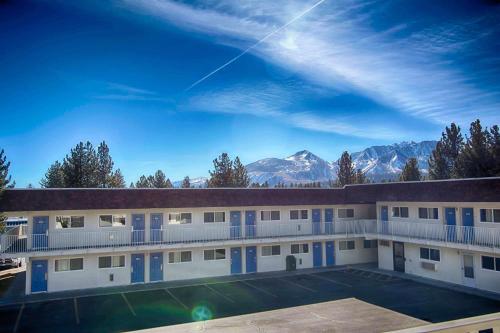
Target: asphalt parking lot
134	310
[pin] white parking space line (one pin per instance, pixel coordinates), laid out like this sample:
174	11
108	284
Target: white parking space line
128	304
227	298
298	285
176	299
77	316
258	288
18	319
330	280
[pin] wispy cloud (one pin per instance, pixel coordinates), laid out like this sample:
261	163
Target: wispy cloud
121	92
336	47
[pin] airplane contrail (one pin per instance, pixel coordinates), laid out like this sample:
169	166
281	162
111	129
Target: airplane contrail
254	45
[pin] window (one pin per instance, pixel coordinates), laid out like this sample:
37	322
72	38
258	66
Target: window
271	250
385	243
179	218
490	263
347	245
345	213
428	213
270	215
300	248
63	222
211	217
297	214
490	215
111	261
400	212
75	264
370	243
179	256
112	220
430	254
215	254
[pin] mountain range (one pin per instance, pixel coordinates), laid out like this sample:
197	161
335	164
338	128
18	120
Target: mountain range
377	162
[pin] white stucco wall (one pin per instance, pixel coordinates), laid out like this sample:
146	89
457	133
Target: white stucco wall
359	255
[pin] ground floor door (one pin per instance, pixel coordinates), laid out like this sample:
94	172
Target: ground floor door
317	255
236	260
137	268
330	253
398	249
468	270
156	267
38	276
251	259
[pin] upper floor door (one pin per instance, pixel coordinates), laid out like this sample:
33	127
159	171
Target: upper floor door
156	226
40	232
235	220
138	227
316	221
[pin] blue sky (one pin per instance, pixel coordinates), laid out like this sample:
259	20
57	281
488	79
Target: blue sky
343	75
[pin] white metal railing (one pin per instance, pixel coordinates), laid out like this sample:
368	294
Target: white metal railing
172	234
475	236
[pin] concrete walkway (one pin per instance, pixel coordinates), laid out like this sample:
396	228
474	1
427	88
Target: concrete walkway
346	315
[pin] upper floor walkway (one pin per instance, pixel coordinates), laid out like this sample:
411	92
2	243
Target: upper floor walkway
17	243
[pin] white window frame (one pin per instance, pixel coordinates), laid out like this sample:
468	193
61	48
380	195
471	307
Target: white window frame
429	259
215	212
113	216
178	255
494	263
215	254
271	251
430	212
270	215
301	248
491	210
347	241
69	264
345	210
398	208
113	256
299	214
180	220
70	221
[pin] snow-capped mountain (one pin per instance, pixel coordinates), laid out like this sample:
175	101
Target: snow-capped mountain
195	182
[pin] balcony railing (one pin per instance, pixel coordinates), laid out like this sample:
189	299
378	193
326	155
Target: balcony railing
415	230
178	234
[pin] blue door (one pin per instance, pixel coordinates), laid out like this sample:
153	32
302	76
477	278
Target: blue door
156	267
250	223
156	226
38	276
468	223
317	255
330	253
138	227
251	259
137	267
329	228
40	232
316	221
235	219
236	260
451	222
384	216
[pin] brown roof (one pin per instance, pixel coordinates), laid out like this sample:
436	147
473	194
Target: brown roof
465	190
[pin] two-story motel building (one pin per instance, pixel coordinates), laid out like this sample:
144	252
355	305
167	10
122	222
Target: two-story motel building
87	238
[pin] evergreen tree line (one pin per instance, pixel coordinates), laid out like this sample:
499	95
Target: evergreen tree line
228	173
86	167
158	180
5	182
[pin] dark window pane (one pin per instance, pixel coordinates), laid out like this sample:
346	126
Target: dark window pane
303	214
496	215
76	264
295	248
435	255
422	213
424	253
185	256
275	215
350	245
305	248
209	217
497	264
220	254
488	262
209	254
76	221
276	250
104	262
294	215
404	212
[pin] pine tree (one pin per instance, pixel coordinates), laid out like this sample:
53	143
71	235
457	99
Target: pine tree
131	185
222	175
143	182
476	158
80	166
359	177
116	180
159	180
494	147
240	175
438	163
186	183
265	184
104	165
5	180
345	173
54	177
410	171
